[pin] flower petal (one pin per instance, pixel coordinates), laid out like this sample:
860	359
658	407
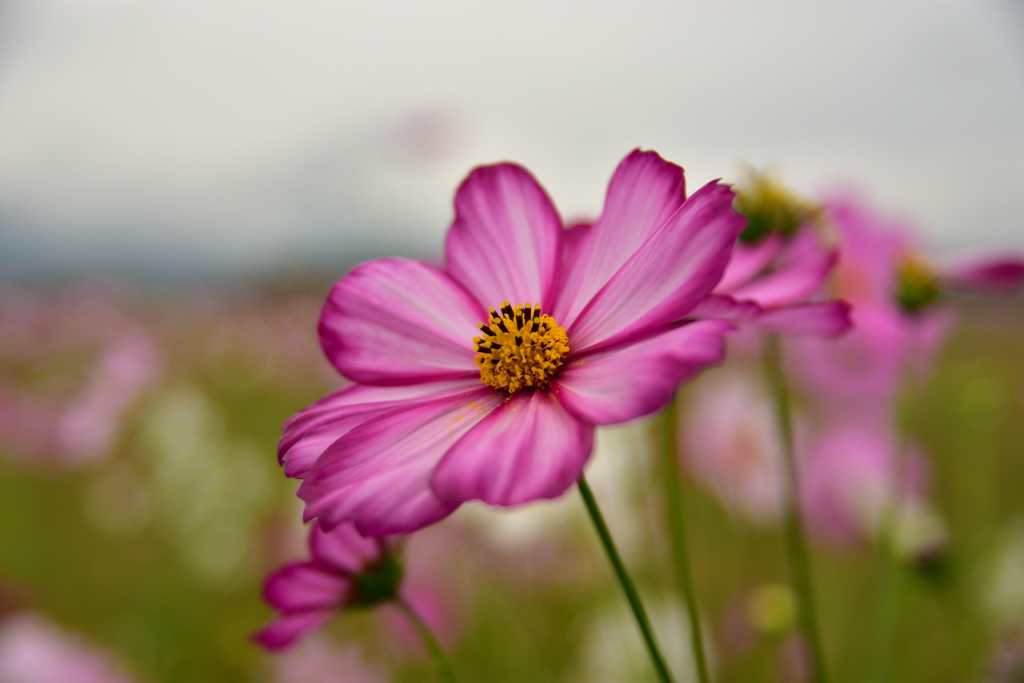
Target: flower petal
1000	276
344	548
395	321
506	241
670	274
632	380
747	262
305	585
643	193
799	271
308	433
724	307
378	474
527	449
820	319
283	631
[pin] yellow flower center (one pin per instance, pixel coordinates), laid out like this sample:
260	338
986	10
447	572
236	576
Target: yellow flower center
520	348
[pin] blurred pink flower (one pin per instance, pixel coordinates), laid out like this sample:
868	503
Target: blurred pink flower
317	660
32	650
125	370
345	569
775	284
881	256
77	416
419	434
731	445
865	370
851	478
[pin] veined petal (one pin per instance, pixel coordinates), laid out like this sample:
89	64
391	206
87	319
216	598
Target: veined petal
643	194
378	474
305	585
820	319
628	381
283	631
799	272
308	433
669	275
528	448
574	235
506	241
395	321
344	548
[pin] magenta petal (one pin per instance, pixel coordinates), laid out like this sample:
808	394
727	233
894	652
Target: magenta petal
378	474
633	380
799	271
308	433
305	585
344	548
527	449
722	307
669	275
748	261
999	276
823	319
395	321
643	194
283	631
506	241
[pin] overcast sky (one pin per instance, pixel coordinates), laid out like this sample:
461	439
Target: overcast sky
237	135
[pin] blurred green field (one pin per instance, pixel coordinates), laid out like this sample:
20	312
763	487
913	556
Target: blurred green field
156	551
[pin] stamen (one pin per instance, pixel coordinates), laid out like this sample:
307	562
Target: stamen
514	358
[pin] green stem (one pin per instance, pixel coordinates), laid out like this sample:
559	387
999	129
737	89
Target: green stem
444	667
891	520
627	584
796	537
677	530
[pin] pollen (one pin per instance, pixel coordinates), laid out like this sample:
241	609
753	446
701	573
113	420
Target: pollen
521	348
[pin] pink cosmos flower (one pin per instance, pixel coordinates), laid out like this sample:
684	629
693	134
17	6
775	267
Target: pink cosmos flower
883	274
485	380
883	263
345	569
775	279
773	284
730	442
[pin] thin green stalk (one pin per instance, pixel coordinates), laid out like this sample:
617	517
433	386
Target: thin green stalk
444	667
890	522
796	537
677	530
627	584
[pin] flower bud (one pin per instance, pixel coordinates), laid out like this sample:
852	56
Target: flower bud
770	208
916	284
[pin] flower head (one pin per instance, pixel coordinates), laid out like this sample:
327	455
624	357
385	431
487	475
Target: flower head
485	380
775	278
345	570
894	286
